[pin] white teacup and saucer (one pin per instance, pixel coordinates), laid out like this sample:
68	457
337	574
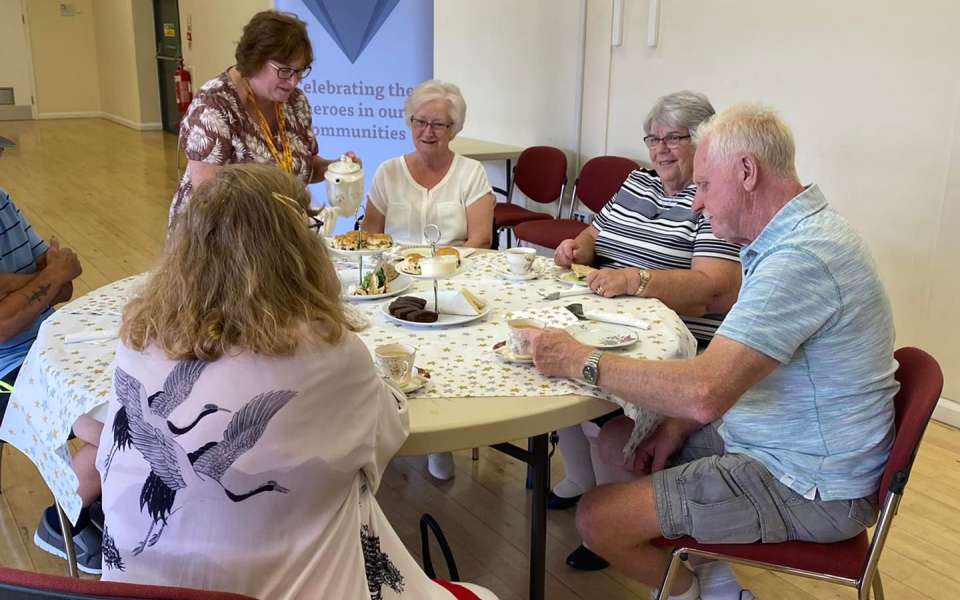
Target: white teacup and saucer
396	363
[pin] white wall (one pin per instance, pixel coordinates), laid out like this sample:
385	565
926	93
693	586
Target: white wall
15	70
216	26
871	89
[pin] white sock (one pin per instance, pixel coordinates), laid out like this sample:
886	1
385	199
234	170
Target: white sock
717	581
691	594
575	450
603	472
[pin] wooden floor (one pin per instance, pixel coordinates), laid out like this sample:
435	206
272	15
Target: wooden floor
104	190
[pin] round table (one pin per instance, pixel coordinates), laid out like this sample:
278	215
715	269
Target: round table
473	399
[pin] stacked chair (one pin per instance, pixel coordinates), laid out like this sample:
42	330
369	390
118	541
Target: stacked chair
599	180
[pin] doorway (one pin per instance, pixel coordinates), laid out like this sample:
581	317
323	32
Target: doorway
166	18
16	64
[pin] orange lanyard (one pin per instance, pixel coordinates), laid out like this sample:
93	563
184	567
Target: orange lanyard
283	159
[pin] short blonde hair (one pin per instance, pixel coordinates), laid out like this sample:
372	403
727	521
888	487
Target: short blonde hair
242	271
753	129
434	89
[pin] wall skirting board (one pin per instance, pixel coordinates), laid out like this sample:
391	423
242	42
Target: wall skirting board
948	411
103	115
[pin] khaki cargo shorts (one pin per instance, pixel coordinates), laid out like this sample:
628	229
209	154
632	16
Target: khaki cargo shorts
732	498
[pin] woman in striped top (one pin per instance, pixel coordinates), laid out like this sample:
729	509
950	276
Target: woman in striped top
649	242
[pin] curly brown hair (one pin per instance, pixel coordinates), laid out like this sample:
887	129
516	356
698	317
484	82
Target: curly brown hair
242	271
272	35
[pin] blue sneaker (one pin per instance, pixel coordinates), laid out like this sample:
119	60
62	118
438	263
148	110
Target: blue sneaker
86	542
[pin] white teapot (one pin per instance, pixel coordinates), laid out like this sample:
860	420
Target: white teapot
344	191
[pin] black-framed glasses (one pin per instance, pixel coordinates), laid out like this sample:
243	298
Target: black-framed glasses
420	124
672	140
285	72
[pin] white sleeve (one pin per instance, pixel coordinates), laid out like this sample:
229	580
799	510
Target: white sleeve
378	190
393	426
475	182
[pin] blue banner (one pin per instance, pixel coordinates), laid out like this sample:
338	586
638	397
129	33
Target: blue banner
368	56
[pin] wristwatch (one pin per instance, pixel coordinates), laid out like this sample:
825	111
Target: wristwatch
591	368
645	276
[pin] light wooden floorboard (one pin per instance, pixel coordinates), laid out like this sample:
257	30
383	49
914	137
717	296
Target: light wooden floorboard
104	190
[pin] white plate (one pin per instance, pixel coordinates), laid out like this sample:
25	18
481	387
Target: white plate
364	252
442	320
504	354
571	278
349	277
603	335
504	274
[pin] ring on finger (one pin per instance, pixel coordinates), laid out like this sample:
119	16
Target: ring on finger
600	289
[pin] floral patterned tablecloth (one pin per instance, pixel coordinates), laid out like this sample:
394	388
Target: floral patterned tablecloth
60	381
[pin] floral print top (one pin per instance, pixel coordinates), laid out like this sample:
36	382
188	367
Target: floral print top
218	130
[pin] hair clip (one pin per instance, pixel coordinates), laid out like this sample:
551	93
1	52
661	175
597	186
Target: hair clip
289	202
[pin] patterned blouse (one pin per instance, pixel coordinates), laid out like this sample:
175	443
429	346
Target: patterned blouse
218	130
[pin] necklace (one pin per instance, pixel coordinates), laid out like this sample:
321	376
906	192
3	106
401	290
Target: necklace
284	156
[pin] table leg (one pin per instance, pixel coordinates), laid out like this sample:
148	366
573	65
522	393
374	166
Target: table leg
537	458
66	531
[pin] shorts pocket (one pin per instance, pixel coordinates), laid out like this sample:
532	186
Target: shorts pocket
864	512
733	521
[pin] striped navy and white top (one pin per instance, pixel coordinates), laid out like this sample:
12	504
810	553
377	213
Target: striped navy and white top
20	247
643	227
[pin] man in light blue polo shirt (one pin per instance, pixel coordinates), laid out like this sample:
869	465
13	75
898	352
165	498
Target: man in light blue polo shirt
780	430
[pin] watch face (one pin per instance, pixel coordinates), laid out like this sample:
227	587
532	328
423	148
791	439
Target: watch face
590	373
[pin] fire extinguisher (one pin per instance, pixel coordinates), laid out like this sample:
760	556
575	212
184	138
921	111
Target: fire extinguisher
184	87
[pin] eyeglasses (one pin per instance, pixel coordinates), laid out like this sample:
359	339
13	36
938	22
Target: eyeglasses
671	140
288	72
438	126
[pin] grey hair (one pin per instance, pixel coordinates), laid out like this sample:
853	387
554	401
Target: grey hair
435	89
751	129
683	109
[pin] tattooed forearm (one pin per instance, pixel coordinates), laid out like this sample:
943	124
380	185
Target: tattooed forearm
39	293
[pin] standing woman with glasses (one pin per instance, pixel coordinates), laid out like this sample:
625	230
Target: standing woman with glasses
432	184
647	241
254	112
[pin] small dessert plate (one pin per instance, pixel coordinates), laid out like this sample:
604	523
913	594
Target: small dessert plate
571	278
502	351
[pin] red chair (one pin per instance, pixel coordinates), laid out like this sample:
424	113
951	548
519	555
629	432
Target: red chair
598	182
853	562
541	174
24	585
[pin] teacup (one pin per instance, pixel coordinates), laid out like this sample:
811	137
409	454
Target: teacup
396	362
520	260
519	338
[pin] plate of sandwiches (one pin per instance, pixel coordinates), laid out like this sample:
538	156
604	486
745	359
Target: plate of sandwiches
417	262
456	308
382	281
360	243
577	275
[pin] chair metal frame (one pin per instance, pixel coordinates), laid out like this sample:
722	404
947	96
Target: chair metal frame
870	577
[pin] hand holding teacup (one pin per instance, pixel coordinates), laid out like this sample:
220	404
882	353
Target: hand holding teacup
557	353
520	332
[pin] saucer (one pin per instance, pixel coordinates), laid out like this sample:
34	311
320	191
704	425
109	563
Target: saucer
510	276
603	335
413	384
504	354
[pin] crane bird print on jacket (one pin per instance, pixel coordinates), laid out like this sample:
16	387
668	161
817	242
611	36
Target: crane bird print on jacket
176	388
171	466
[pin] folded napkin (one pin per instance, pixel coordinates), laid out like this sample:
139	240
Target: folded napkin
454	303
597	314
88	336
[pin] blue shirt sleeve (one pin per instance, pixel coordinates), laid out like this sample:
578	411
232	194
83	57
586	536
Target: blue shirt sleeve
788	297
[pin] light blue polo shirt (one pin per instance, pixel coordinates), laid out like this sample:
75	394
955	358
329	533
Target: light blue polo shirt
811	299
20	247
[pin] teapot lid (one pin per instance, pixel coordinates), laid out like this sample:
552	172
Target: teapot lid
344	166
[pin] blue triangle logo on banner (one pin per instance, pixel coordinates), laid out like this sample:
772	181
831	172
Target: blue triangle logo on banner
351	24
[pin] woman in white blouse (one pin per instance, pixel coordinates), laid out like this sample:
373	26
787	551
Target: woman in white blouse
249	430
432	184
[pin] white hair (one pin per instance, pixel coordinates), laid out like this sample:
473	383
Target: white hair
751	129
436	89
684	109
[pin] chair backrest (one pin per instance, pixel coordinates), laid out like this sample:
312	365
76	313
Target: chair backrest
599	180
921	382
24	585
541	173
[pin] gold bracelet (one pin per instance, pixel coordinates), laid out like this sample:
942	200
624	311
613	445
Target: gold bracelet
645	276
